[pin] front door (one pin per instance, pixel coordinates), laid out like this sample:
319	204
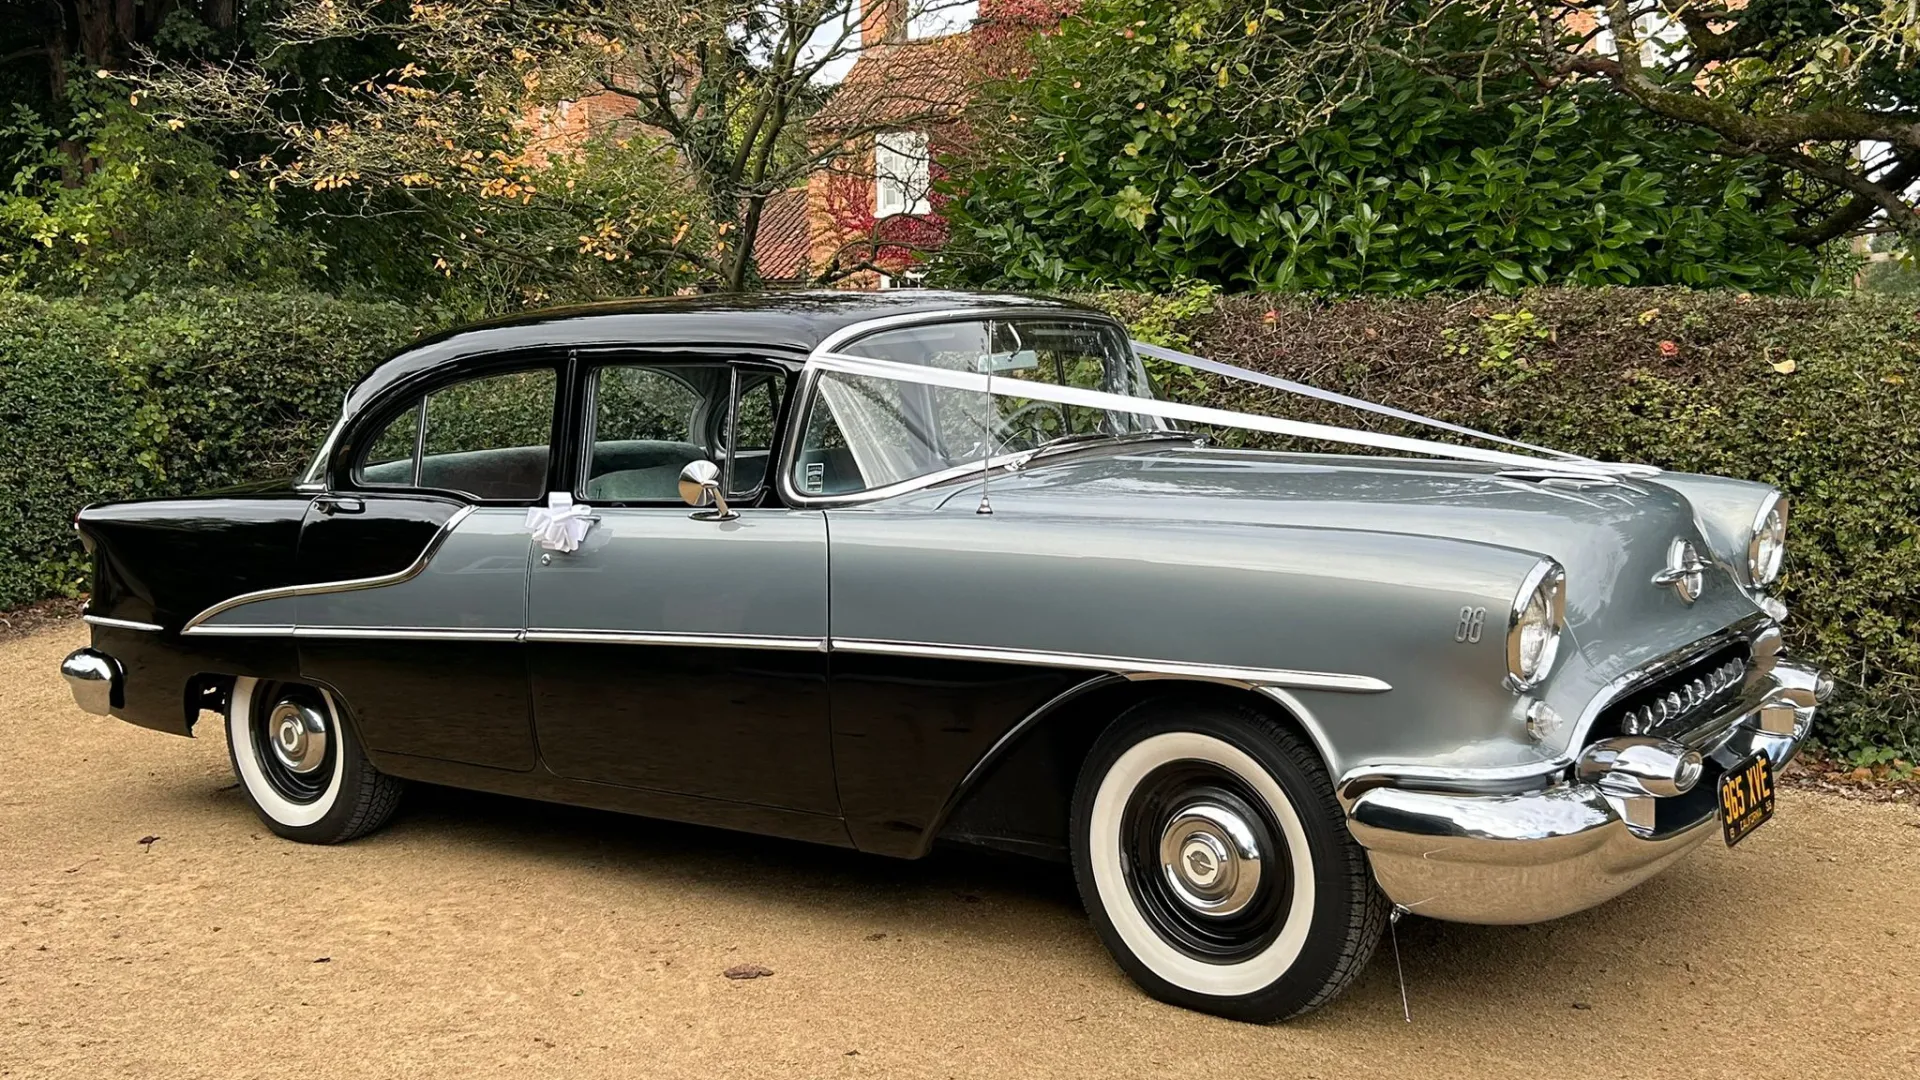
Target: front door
673	652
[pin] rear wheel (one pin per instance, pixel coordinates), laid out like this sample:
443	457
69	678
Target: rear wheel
299	765
1216	863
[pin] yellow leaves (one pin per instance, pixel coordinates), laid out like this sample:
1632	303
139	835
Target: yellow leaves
233	174
1785	367
1253	27
103	73
1894	380
1223	78
1648	316
175	124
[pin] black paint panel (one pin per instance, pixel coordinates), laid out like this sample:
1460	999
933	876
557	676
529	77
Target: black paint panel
166	560
747	725
385	537
543	785
158	669
457	700
907	731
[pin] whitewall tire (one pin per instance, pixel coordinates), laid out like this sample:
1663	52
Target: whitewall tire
298	763
1216	864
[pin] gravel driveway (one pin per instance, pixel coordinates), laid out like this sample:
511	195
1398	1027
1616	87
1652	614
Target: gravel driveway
486	936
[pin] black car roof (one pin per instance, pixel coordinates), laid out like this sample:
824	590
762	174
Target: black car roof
793	323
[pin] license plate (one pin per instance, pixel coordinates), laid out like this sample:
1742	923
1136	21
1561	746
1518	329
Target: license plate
1746	797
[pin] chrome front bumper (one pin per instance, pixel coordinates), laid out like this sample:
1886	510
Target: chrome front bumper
96	679
1537	855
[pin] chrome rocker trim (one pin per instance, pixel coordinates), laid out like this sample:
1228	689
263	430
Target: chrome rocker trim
320	588
1130	667
1534	855
699	641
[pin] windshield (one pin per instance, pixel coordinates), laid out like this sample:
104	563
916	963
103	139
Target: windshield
864	432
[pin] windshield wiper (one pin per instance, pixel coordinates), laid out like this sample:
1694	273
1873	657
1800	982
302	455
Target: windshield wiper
1066	443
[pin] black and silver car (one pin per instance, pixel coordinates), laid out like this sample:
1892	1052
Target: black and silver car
952	572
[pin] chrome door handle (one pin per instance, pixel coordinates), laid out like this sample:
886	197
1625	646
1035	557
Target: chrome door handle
339	504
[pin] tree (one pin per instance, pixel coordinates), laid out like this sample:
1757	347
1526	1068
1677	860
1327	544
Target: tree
725	86
1153	142
1826	90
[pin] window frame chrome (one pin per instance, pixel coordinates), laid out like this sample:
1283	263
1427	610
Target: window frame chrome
800	411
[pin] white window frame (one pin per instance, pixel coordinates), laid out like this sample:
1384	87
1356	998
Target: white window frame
938	18
902	173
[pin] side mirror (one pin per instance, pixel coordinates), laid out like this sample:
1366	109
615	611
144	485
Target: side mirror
700	486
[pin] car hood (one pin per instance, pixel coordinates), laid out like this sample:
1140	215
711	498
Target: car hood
1612	536
1460	500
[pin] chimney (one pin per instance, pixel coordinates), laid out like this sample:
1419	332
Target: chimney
882	20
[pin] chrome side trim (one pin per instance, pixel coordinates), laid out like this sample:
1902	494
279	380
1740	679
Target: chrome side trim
1130	667
240	630
387	633
408	633
649	637
121	624
322	587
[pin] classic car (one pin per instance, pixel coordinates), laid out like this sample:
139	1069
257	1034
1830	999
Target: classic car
882	570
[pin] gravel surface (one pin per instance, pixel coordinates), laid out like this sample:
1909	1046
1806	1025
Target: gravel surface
152	927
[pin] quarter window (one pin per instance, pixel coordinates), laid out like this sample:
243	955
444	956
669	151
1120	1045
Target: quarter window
486	437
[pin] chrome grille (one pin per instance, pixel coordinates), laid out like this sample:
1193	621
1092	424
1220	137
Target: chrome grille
1684	698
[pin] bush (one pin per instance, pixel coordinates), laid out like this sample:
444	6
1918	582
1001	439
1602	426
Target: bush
1818	397
161	395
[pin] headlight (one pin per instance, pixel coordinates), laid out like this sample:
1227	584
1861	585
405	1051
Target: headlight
1769	544
1533	627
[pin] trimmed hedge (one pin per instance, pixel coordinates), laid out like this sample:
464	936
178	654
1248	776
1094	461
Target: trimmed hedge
185	392
1818	397
162	395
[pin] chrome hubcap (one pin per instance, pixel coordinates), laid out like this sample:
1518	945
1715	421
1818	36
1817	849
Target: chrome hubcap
298	736
1210	859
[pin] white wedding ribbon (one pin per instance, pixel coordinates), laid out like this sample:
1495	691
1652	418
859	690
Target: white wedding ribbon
1261	378
1199	414
562	523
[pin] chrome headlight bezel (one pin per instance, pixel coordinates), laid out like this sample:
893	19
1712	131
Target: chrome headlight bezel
1540	607
1767	542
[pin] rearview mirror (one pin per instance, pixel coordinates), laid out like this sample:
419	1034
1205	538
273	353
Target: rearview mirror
700	486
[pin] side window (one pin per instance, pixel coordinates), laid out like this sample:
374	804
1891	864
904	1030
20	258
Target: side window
486	437
650	421
388	459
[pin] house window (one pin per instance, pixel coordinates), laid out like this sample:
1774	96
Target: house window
902	173
938	18
905	279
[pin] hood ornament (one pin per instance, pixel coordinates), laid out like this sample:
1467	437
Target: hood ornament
1685	573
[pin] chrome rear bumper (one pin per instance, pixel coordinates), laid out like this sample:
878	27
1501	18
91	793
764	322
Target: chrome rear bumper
1537	855
95	678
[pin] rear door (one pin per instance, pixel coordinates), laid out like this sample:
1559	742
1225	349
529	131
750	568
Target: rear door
674	651
426	543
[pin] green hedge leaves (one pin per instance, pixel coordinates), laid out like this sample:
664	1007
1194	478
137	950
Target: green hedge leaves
161	395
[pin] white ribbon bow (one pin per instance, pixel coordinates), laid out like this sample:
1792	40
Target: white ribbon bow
562	523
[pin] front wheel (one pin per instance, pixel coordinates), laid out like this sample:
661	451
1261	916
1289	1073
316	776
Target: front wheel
299	765
1216	863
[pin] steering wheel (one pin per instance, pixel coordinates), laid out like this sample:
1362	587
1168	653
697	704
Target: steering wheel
1028	423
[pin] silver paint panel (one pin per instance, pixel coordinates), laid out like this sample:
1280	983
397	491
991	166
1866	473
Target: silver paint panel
660	571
